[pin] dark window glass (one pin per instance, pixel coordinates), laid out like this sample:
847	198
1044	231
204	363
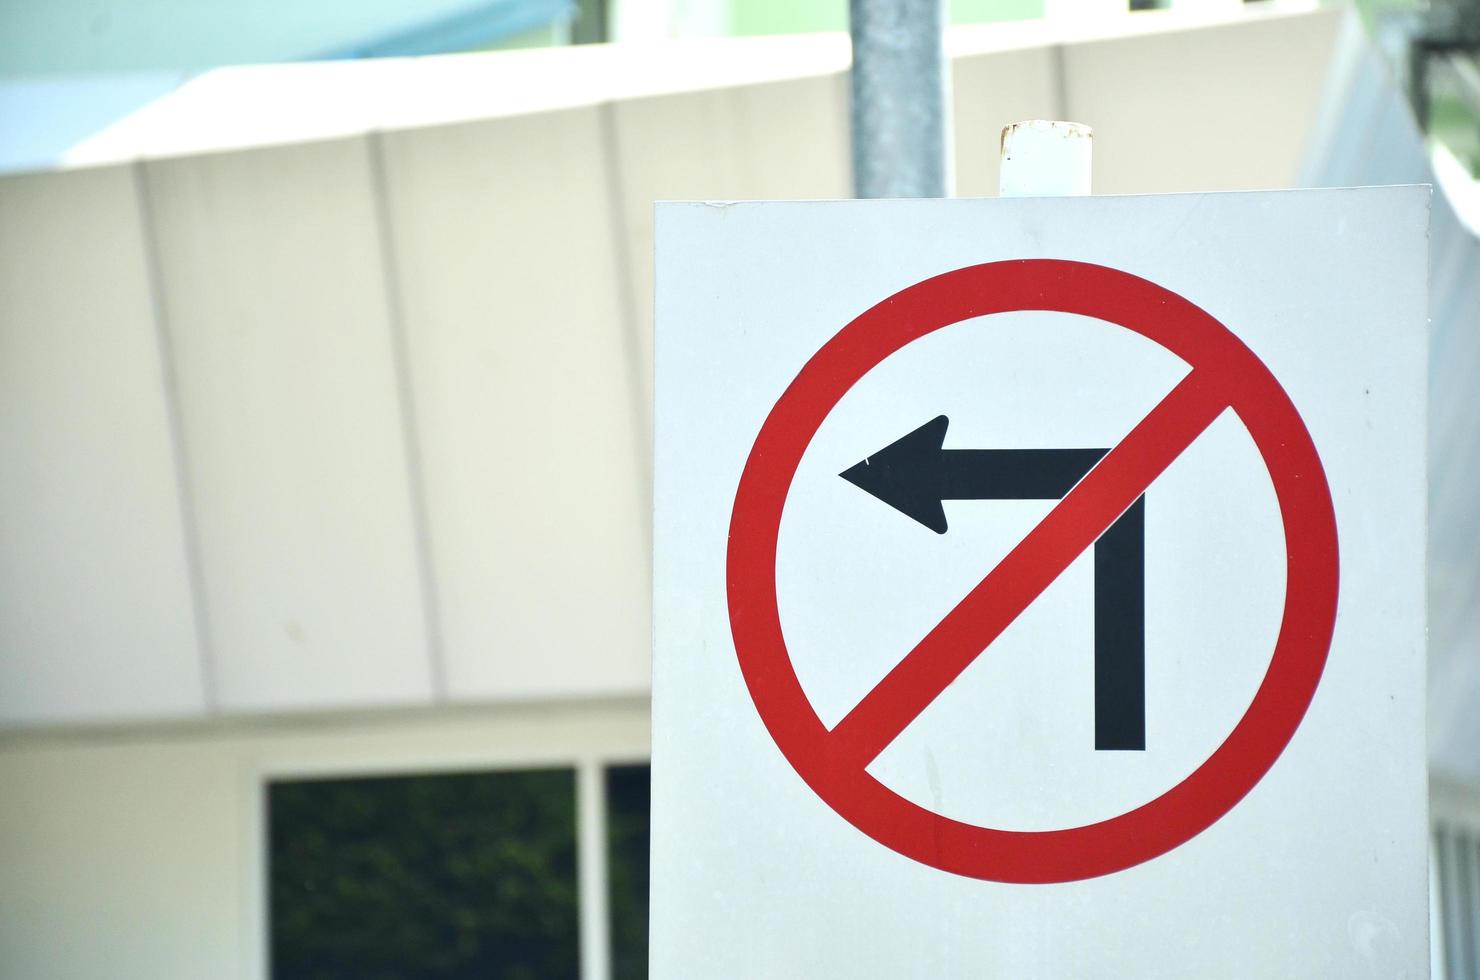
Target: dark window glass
425	877
627	801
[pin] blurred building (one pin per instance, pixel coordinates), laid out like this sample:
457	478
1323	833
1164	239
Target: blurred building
325	420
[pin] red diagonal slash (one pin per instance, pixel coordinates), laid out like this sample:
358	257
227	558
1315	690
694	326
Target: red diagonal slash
1071	527
1224	374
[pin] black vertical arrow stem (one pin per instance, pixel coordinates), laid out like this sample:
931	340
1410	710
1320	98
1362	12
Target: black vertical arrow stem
916	474
1120	632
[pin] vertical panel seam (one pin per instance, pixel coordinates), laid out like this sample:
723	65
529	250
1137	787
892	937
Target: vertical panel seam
642	419
175	422
409	419
1059	81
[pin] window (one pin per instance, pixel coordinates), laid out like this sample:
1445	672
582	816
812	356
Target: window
449	876
442	876
627	805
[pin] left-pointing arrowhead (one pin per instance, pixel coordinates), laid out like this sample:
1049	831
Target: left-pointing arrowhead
907	474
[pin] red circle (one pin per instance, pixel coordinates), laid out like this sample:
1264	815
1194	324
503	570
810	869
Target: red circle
1300	651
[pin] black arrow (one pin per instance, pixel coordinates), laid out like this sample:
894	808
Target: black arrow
916	474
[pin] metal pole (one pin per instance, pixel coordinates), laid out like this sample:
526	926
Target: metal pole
898	88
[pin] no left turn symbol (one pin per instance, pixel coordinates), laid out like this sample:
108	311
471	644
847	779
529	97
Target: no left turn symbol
1224	375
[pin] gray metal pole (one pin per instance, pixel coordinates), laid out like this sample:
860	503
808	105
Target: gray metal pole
898	88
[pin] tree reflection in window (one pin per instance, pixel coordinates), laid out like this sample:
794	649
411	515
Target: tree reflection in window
441	877
627	801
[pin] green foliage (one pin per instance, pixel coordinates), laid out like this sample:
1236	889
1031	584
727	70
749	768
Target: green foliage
627	805
437	877
1455	124
791	17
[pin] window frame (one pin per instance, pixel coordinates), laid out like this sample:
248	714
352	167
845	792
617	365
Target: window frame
1454	822
505	738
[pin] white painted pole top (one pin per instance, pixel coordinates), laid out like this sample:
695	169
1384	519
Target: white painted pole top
1045	158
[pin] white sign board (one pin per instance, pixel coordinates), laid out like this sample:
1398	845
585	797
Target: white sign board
1039	588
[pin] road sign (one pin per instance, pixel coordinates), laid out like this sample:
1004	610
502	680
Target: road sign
1030	573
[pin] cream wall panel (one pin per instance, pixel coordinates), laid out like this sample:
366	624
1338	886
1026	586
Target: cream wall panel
276	311
531	420
122	864
1201	110
780	140
95	606
990	91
